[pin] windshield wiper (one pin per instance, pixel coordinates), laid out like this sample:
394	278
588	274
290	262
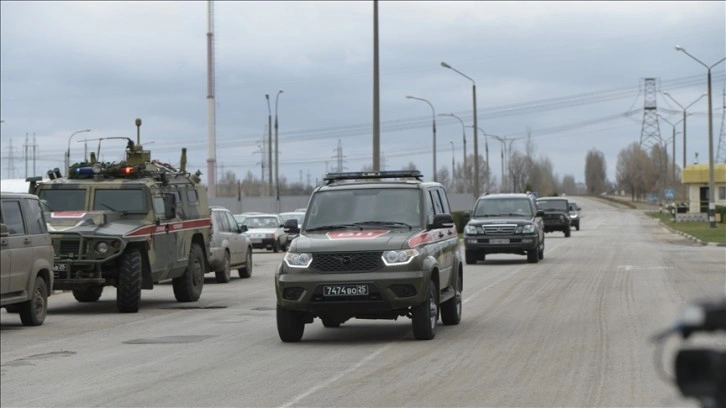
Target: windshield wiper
513	215
331	227
392	223
114	210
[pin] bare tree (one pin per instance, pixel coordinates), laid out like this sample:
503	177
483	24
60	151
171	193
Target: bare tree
569	186
635	171
595	172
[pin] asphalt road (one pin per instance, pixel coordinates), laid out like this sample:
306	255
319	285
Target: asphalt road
572	330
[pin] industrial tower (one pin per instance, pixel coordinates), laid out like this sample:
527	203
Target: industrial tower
650	130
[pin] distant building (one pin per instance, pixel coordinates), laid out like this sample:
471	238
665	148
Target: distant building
695	177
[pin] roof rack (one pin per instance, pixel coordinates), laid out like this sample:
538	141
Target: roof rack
359	175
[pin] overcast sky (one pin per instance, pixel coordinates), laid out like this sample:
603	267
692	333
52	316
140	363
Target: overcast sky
569	72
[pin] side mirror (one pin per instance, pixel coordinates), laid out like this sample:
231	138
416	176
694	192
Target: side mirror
540	213
291	226
169	206
243	228
466	216
579	209
4	230
442	221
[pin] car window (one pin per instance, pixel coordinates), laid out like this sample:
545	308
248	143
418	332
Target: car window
13	217
222	223
126	200
552	204
231	223
64	199
364	205
36	219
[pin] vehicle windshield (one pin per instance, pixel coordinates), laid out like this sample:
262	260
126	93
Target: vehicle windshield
63	199
503	207
261	222
123	200
374	207
293	216
560	205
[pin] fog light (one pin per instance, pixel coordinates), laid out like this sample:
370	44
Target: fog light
102	248
292	293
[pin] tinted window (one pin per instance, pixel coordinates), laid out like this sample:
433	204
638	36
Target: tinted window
36	220
127	200
437	201
13	217
494	207
192	195
221	220
364	205
64	199
552	205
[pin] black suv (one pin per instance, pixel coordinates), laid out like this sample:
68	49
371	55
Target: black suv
374	245
556	214
504	224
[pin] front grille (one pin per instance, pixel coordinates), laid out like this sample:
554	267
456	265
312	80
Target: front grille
70	247
499	229
347	262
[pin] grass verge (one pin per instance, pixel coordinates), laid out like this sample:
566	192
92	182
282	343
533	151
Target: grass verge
700	230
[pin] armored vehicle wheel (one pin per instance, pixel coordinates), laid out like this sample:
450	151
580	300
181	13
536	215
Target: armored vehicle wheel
128	289
246	271
188	287
451	309
330	322
425	316
88	294
567	233
533	256
33	310
224	275
290	325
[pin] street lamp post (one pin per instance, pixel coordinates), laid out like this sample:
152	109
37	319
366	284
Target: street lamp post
68	151
453	160
685	114
277	163
711	192
463	140
433	113
269	143
486	154
673	141
476	143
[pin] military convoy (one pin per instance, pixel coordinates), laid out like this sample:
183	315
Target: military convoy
129	225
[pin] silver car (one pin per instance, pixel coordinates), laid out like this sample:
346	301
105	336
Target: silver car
266	232
230	248
26	270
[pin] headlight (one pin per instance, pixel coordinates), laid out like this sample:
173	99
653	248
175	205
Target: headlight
298	260
399	257
102	248
470	229
528	229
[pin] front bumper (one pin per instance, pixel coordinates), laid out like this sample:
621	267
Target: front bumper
391	293
511	244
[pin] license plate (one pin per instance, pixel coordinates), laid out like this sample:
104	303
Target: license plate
256	240
59	268
498	241
345	290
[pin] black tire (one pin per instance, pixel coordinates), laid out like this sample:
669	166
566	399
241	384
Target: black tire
128	289
188	287
246	271
541	251
426	315
224	275
330	322
533	256
577	226
567	233
88	294
33	310
276	246
290	325
451	309
470	257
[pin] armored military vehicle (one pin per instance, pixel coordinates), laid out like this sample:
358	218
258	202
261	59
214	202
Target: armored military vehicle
129	225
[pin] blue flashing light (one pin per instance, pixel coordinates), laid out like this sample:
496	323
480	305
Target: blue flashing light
84	171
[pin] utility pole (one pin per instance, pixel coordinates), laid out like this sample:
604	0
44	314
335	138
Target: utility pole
25	157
